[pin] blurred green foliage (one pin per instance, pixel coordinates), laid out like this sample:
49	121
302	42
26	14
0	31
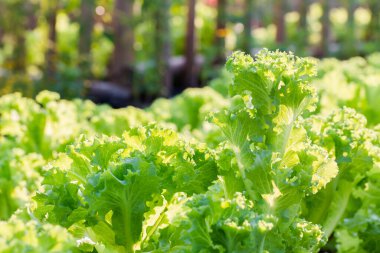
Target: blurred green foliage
24	31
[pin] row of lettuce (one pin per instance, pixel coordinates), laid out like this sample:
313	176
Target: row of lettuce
277	156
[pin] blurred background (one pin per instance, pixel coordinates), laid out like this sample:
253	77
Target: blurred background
126	52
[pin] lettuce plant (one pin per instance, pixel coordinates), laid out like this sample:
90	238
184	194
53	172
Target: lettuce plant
348	205
105	187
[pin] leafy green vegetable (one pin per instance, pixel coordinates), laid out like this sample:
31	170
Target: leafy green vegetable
348	201
270	169
22	234
109	181
276	161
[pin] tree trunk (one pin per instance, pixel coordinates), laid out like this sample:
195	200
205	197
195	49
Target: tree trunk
18	29
51	52
279	12
248	20
221	32
373	30
303	38
122	62
31	15
325	39
303	7
163	49
190	51
350	41
86	21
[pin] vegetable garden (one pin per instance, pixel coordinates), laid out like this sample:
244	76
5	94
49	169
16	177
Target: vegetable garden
278	154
